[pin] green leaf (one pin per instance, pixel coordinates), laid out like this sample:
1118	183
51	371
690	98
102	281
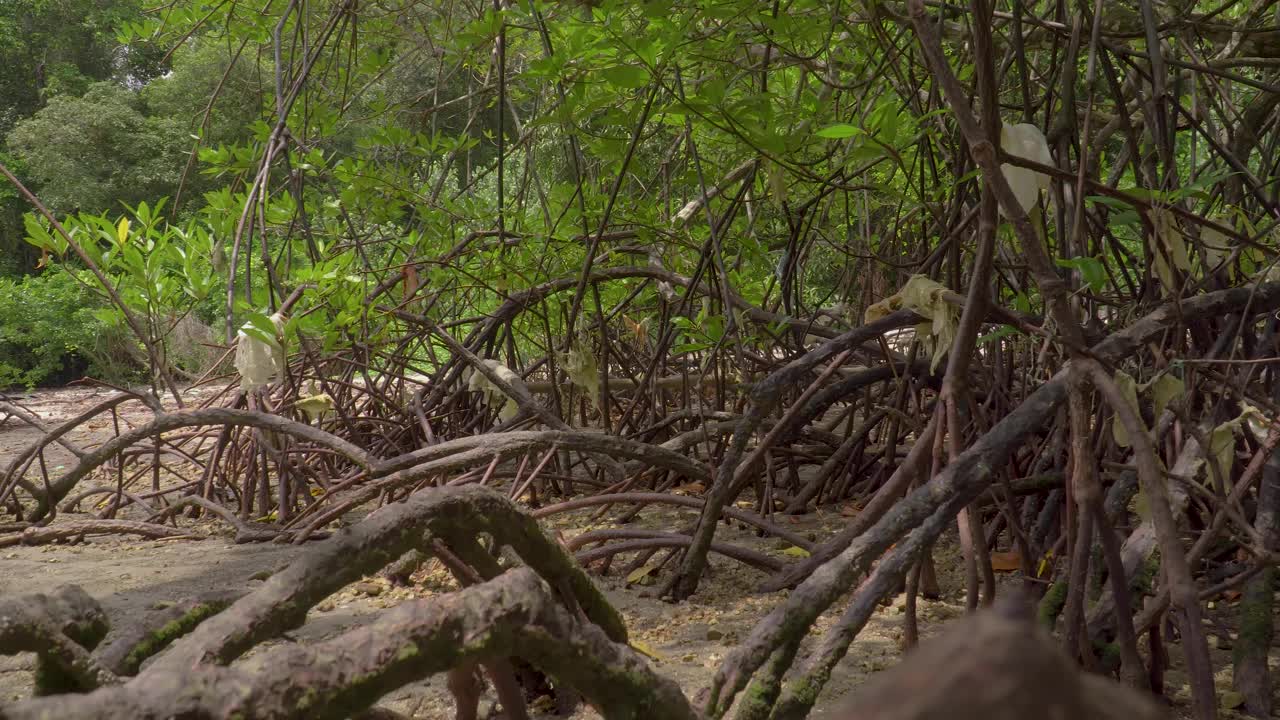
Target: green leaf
314	406
627	76
1090	269
1129	390
710	93
257	334
689	347
1127	217
1164	390
39	235
261	327
1116	203
885	119
657	10
1222	448
863	153
1003	331
107	315
838	132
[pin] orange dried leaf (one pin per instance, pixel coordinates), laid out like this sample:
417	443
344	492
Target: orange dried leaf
1006	561
410	274
639	330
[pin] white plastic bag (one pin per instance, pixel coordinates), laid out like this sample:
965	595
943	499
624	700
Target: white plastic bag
1025	140
258	361
479	383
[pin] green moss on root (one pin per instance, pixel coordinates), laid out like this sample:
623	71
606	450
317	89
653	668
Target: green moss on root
1109	657
1051	605
160	638
1257	625
50	679
757	701
1144	580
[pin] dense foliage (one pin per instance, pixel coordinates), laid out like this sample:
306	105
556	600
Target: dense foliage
50	332
1045	237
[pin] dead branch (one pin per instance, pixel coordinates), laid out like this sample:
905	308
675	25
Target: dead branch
79	528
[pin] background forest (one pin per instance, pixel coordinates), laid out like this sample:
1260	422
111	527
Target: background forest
998	268
835	156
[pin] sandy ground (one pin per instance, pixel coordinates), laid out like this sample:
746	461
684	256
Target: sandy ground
132	578
135	577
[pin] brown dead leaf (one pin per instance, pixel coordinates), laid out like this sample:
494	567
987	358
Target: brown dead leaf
410	274
1006	561
642	575
639	330
693	488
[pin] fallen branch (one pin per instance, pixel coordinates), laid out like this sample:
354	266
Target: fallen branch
77	528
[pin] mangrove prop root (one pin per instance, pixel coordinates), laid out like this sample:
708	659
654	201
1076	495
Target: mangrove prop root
61	629
282	602
513	614
124	652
